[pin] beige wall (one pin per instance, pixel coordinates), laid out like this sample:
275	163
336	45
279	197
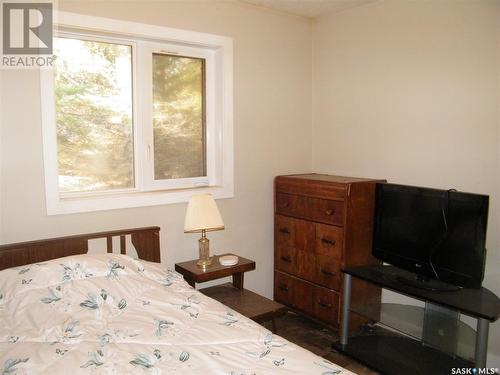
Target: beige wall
272	134
409	91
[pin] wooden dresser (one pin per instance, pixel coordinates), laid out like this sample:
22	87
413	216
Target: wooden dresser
321	224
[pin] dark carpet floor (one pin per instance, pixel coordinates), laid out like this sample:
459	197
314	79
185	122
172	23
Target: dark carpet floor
316	338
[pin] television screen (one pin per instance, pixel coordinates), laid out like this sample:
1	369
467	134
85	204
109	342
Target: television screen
439	234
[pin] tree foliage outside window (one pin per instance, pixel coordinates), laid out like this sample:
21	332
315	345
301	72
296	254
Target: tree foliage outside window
94	115
93	100
178	118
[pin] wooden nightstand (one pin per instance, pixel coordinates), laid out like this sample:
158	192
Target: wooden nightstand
246	302
194	274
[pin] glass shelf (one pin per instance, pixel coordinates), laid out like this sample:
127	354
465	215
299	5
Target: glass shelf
432	337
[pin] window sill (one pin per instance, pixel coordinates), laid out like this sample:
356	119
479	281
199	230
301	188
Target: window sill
71	205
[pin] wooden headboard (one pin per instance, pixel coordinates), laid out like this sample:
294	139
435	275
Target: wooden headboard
145	240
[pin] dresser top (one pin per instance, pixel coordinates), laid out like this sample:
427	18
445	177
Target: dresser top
329	178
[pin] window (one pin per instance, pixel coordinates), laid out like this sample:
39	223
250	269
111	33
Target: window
178	116
135	120
93	102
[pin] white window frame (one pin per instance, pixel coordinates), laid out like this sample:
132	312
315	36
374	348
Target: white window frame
218	54
145	93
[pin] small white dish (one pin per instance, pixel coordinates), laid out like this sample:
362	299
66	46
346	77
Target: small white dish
228	260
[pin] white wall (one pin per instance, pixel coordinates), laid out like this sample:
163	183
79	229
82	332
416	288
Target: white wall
272	135
409	91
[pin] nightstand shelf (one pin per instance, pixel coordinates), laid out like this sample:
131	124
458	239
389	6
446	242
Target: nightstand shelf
246	302
252	305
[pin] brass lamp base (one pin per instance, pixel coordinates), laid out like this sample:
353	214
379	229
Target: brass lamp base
204	263
205	260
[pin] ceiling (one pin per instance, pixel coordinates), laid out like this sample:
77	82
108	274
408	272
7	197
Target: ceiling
308	8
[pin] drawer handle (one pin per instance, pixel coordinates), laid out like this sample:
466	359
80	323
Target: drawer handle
328	273
286	258
283	288
330	212
325	305
328	241
284	230
285	204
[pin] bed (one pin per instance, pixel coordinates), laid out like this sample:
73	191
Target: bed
65	311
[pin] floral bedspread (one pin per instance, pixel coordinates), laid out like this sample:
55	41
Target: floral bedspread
111	314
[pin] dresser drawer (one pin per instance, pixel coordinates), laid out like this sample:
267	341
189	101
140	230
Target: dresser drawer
305	235
283	288
310	208
329	240
306	265
284	231
293	292
322	210
303	295
319	189
320	269
326	305
286	259
286	204
327	272
295	246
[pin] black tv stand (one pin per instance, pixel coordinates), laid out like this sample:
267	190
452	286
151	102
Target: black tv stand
426	283
397	353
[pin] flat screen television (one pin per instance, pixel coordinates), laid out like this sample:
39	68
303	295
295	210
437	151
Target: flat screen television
436	234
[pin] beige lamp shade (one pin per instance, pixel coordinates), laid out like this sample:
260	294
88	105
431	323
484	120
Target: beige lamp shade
202	214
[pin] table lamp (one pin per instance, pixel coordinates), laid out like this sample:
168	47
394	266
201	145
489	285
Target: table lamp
202	215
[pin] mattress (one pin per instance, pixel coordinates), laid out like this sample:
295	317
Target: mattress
112	314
